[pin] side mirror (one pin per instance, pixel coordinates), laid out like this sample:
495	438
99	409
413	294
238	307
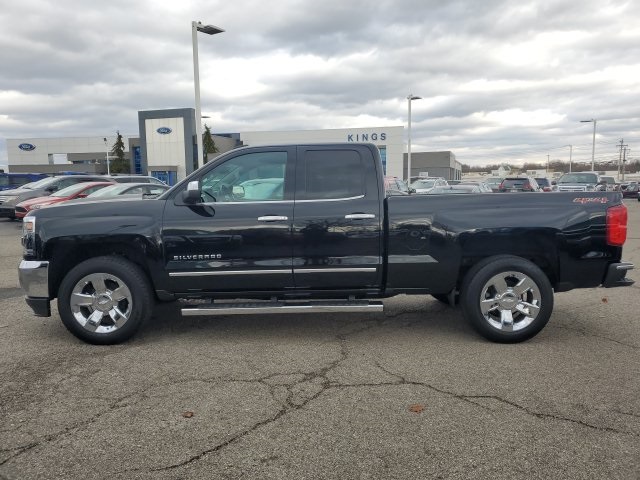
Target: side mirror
192	193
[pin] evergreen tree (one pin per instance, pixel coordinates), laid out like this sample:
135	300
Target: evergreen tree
208	145
119	164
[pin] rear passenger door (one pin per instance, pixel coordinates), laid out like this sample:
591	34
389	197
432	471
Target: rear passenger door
337	227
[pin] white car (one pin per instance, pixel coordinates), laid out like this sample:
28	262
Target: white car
426	184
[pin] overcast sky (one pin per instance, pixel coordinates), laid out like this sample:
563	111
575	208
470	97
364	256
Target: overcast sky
500	80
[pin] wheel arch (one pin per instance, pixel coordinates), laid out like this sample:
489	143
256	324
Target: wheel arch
67	252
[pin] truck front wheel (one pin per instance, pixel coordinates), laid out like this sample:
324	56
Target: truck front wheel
105	300
507	299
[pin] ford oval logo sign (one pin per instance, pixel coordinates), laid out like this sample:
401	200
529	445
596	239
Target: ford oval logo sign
27	147
164	130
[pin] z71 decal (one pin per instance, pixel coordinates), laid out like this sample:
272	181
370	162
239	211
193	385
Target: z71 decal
591	200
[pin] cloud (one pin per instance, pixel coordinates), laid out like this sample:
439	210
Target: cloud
497	77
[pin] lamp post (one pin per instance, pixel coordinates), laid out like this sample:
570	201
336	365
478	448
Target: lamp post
593	146
570	155
209	30
107	149
410	97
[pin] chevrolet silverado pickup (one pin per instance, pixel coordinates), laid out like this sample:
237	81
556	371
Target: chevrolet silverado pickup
308	228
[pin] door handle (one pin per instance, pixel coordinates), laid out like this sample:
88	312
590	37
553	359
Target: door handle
272	218
359	216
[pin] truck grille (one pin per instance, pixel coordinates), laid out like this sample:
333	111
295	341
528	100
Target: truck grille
3	198
572	188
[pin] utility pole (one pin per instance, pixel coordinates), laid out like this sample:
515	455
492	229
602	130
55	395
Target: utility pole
547	164
624	160
621	146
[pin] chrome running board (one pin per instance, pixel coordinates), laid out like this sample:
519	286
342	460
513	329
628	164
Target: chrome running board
312	306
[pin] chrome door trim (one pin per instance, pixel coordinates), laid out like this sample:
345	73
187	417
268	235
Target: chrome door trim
273	218
330	199
335	270
229	272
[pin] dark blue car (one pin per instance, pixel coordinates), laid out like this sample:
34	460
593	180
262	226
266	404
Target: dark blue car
10	181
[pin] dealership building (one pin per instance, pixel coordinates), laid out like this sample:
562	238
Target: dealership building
165	148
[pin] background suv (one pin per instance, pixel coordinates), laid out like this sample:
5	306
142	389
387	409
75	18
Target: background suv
519	184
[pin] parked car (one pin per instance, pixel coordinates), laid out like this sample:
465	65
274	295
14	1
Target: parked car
425	184
544	184
10	198
519	184
609	182
580	182
131	190
630	190
134	179
483	186
79	190
494	183
11	181
395	186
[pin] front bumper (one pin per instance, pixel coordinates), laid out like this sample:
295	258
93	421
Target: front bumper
616	275
34	280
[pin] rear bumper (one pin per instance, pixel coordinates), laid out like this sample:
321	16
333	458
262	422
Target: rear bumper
7	212
616	275
34	280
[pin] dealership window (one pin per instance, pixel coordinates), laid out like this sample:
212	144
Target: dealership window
383	157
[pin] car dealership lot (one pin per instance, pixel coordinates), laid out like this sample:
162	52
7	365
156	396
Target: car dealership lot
410	393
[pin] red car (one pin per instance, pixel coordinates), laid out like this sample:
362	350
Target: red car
79	190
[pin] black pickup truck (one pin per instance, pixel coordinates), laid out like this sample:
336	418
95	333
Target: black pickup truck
306	228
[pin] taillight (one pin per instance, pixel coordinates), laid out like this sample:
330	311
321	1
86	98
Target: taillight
617	225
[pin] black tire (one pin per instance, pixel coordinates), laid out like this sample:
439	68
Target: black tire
516	296
444	298
104	288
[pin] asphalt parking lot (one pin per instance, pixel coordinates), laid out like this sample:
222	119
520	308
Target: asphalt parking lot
409	393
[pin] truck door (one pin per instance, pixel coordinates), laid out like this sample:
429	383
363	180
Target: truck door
337	227
238	236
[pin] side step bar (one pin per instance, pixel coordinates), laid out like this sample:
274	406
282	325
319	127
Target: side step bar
252	308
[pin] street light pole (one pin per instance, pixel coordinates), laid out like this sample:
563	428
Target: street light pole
593	146
410	97
570	155
209	30
107	148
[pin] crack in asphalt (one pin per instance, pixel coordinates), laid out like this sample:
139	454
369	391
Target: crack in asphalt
296	401
289	405
588	334
65	431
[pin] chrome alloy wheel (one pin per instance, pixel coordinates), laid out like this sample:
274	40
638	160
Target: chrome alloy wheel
510	301
101	302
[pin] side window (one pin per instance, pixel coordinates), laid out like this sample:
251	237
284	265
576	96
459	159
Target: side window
92	189
333	174
252	177
67	182
135	190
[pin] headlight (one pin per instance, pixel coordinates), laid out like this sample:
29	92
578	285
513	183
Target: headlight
28	235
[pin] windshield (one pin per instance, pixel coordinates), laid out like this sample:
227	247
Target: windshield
423	184
543	182
578	178
70	190
609	180
111	190
514	182
45	182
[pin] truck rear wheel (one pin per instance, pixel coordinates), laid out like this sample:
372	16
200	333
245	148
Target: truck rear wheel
507	299
105	300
